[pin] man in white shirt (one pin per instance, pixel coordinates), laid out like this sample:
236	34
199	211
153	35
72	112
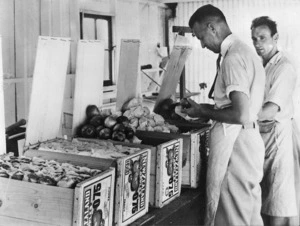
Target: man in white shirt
275	121
235	164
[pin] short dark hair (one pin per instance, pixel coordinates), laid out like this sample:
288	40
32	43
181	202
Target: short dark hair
267	21
206	11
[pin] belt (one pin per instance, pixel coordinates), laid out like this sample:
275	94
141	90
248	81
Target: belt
249	125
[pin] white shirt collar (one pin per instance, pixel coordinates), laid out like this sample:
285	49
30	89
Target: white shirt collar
227	42
275	58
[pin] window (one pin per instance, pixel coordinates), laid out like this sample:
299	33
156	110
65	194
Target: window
96	27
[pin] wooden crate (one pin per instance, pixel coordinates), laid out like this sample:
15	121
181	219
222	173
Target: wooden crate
24	203
129	204
194	151
164	186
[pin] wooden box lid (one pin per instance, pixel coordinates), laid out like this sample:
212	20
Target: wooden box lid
48	85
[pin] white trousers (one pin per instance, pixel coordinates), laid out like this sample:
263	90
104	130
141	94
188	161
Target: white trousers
235	169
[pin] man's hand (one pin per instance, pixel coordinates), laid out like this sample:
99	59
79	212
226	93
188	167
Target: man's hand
197	110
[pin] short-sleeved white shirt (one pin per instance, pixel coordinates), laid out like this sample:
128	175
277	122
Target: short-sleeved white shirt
241	70
280	85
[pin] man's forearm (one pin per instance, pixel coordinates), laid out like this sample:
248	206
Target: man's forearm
226	115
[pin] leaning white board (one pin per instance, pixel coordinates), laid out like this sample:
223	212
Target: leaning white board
178	57
48	85
89	79
127	84
2	114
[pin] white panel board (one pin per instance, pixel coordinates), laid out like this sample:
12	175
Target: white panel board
172	75
2	115
48	85
89	78
128	71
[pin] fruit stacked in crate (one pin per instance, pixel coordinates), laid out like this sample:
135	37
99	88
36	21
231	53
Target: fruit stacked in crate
43	191
37	170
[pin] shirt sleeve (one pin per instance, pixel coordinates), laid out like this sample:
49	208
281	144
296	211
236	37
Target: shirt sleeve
282	85
236	77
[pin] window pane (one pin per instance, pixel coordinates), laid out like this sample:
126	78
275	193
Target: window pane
102	34
102	31
89	28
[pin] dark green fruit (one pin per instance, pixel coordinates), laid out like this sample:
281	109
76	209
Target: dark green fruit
99	128
119	127
105	133
118	136
185	103
88	131
164	108
123	120
129	132
96	120
91	111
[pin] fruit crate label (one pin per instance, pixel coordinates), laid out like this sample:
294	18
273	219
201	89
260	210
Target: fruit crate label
170	183
96	202
135	190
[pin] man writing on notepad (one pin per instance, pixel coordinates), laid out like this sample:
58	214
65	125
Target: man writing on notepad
235	164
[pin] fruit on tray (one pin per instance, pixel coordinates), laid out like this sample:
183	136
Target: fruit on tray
47	172
95	148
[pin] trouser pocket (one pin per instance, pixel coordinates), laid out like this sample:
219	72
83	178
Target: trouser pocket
266	126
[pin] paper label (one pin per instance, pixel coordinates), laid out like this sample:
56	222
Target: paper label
135	189
170	184
96	202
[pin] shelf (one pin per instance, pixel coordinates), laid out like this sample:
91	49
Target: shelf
152	70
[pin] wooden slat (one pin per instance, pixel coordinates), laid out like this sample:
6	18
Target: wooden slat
2	114
8	50
8	37
35	203
128	71
171	78
46	21
48	85
87	161
88	80
27	30
55	19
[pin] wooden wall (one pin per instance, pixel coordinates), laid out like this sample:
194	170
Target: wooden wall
22	22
